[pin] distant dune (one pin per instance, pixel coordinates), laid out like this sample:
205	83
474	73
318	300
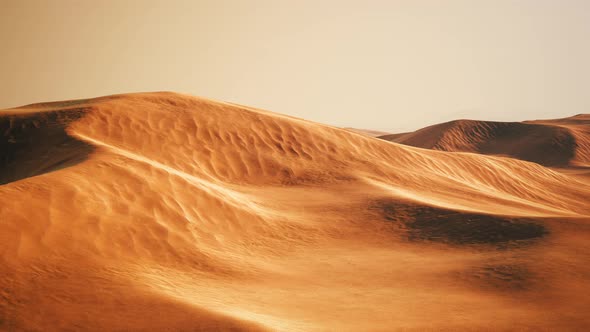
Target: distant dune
559	143
161	211
368	132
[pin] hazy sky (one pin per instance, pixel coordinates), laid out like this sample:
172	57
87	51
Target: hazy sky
390	65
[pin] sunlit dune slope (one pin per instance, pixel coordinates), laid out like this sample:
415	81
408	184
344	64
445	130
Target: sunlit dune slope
368	132
164	211
559	143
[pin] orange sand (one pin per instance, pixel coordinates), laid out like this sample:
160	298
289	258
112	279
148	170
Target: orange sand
557	143
161	211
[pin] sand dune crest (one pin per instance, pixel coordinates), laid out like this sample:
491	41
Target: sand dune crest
165	211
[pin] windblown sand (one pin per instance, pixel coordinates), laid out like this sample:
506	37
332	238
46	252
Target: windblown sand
558	143
160	211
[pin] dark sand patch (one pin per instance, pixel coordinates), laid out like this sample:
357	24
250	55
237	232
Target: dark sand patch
35	143
425	223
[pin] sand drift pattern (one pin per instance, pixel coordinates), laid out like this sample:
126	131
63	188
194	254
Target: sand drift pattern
162	211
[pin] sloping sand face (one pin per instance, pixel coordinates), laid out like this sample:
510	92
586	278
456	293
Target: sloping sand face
553	143
162	211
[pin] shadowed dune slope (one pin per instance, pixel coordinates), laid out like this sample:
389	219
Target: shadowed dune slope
556	143
158	211
35	143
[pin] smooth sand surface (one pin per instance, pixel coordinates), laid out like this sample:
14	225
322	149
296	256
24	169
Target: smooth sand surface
166	212
368	132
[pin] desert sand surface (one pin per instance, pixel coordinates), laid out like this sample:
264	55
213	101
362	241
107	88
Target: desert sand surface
368	132
167	212
563	143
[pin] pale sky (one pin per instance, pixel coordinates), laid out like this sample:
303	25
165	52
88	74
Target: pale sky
392	65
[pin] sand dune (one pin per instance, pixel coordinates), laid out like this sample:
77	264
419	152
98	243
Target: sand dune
556	143
368	132
161	211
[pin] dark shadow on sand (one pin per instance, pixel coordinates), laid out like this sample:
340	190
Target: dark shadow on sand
462	228
35	143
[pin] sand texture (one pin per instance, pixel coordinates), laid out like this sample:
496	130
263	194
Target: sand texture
167	212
